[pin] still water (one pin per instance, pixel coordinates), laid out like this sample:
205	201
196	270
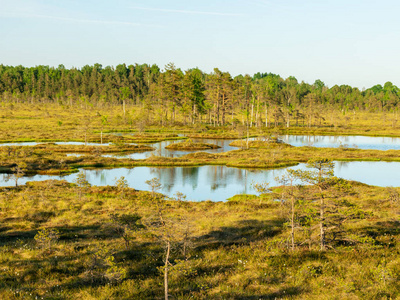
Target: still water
218	183
353	141
361	142
159	148
161	151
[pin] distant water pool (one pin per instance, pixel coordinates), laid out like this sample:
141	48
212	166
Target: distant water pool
352	141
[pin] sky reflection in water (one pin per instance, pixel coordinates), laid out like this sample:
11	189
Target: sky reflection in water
218	183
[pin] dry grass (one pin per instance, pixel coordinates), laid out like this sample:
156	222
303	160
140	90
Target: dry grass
237	250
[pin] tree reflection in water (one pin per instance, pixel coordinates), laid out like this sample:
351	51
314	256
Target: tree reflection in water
218	183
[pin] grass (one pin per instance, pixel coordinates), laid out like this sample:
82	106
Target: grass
190	145
112	148
267	155
237	249
53	122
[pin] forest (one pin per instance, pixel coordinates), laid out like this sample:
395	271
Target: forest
192	96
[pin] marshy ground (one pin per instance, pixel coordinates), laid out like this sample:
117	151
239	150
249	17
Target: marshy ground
62	240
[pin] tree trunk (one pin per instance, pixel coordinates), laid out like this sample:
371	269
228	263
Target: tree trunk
247	137
193	113
123	107
321	225
223	110
166	270
292	224
252	111
217	112
258	112
287	120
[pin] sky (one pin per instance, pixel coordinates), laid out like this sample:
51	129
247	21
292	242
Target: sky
354	42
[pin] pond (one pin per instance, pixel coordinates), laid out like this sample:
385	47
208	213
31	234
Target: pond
161	151
351	141
159	148
218	183
361	142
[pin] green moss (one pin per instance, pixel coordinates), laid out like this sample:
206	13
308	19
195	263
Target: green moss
190	145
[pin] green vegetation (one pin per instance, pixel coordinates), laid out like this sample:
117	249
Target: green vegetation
190	145
140	96
106	245
112	148
51	159
323	238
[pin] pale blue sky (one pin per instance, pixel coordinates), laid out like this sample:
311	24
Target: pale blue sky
355	42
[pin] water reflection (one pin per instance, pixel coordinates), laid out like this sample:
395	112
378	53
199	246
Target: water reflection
218	183
361	142
159	149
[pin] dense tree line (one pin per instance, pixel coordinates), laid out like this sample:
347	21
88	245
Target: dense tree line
217	98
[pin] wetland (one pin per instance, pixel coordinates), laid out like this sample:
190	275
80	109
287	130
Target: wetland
82	220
